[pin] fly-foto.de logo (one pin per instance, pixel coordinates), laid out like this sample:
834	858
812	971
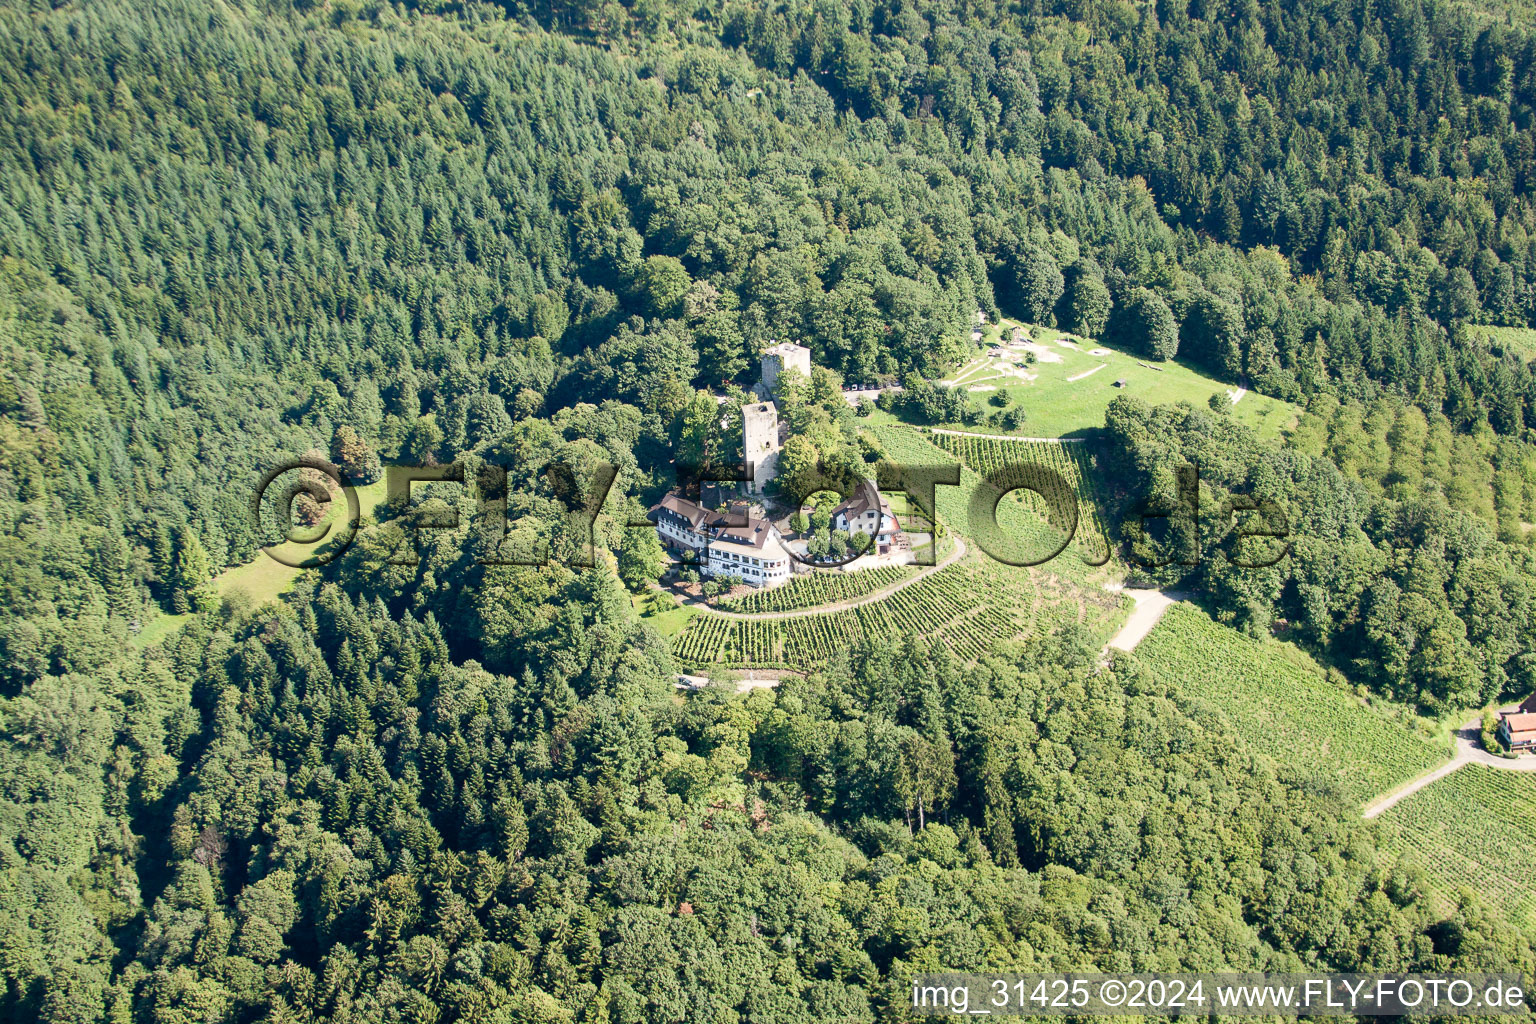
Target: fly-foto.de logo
580	494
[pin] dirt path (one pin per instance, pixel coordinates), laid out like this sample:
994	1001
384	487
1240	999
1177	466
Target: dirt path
1411	787
762	679
1150	606
753	679
1087	373
1237	396
980	363
852	602
1469	748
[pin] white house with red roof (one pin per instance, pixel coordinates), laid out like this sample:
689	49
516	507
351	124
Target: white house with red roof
1517	728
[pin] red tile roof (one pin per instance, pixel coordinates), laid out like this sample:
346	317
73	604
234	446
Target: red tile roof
1520	722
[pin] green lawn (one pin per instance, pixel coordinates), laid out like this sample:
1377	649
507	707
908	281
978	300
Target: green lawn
1285	707
1519	340
1023	535
1521	11
1055	405
159	627
1472	830
668	622
264	578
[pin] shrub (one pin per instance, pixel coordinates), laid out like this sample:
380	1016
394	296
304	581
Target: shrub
1491	741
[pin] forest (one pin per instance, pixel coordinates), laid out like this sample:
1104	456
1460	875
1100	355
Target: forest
441	789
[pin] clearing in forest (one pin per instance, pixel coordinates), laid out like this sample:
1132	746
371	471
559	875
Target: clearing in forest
1063	395
263	578
1519	340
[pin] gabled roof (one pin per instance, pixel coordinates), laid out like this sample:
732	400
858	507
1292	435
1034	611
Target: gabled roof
866	497
1520	721
718	526
682	507
754	534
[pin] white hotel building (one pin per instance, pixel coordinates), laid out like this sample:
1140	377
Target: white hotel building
751	549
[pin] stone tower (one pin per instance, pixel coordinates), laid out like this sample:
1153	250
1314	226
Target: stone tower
784	356
760	442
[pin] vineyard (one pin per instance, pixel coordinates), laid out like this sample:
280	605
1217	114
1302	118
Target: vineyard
909	447
822	586
970	607
1309	726
1068	480
1472	830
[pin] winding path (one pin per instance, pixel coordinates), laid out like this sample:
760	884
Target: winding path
1151	605
852	602
1468	749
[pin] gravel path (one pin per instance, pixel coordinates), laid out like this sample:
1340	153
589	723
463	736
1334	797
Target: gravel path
853	398
754	679
1150	606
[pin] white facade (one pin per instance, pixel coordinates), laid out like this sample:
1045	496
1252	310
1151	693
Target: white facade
758	567
868	513
751	550
675	535
869	521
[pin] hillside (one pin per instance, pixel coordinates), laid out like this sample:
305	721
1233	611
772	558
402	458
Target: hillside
1471	830
1067	384
972	607
537	249
1317	732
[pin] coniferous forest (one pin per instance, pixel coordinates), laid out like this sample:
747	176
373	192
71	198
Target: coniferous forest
436	790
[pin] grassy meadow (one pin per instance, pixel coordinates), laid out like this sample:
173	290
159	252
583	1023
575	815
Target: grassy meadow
1065	391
